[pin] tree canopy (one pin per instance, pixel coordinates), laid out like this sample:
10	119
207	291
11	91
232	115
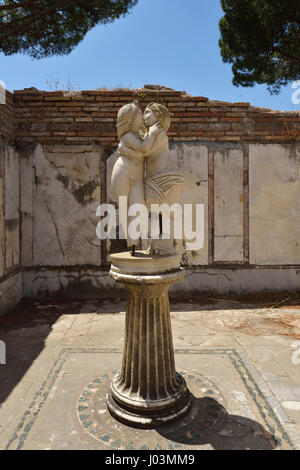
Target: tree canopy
261	38
42	28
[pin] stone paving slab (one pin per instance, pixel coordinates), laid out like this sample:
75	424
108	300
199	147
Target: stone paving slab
237	360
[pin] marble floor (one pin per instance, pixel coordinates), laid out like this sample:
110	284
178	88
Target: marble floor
240	359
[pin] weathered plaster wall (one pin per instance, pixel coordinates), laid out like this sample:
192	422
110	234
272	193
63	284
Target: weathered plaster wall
66	194
73	283
12	207
240	219
10	291
238	280
228	205
61	191
274	204
10	271
93	283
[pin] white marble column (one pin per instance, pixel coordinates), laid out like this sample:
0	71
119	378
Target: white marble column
148	391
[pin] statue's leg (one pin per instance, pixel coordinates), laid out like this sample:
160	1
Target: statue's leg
137	193
136	197
120	186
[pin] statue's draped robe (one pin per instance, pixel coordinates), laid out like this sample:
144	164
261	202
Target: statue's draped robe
163	188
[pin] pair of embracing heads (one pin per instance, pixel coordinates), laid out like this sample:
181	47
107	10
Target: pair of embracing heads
142	138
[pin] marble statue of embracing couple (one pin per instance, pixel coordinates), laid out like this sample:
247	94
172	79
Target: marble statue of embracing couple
142	171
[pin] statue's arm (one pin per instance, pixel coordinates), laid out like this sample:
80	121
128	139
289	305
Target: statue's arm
132	142
154	143
131	146
152	138
128	152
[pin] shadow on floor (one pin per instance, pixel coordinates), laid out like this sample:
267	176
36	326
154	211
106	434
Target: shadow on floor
208	423
25	329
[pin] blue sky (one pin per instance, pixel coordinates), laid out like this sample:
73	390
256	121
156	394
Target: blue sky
166	42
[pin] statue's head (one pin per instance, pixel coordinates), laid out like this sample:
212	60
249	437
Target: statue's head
156	112
129	119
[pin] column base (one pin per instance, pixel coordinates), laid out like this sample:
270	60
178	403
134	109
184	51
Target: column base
147	418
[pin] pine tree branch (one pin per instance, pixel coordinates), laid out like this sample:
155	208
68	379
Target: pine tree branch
11	28
14	6
289	56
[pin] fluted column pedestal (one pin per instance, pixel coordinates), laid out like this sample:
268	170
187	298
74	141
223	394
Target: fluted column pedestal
148	391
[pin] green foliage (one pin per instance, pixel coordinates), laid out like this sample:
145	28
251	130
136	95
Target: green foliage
261	38
142	96
42	28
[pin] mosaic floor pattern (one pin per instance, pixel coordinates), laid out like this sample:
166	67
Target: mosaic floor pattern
230	409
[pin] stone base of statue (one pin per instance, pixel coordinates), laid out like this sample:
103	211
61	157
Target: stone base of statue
148	391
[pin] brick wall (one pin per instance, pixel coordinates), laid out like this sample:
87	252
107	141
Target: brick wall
89	117
7	120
